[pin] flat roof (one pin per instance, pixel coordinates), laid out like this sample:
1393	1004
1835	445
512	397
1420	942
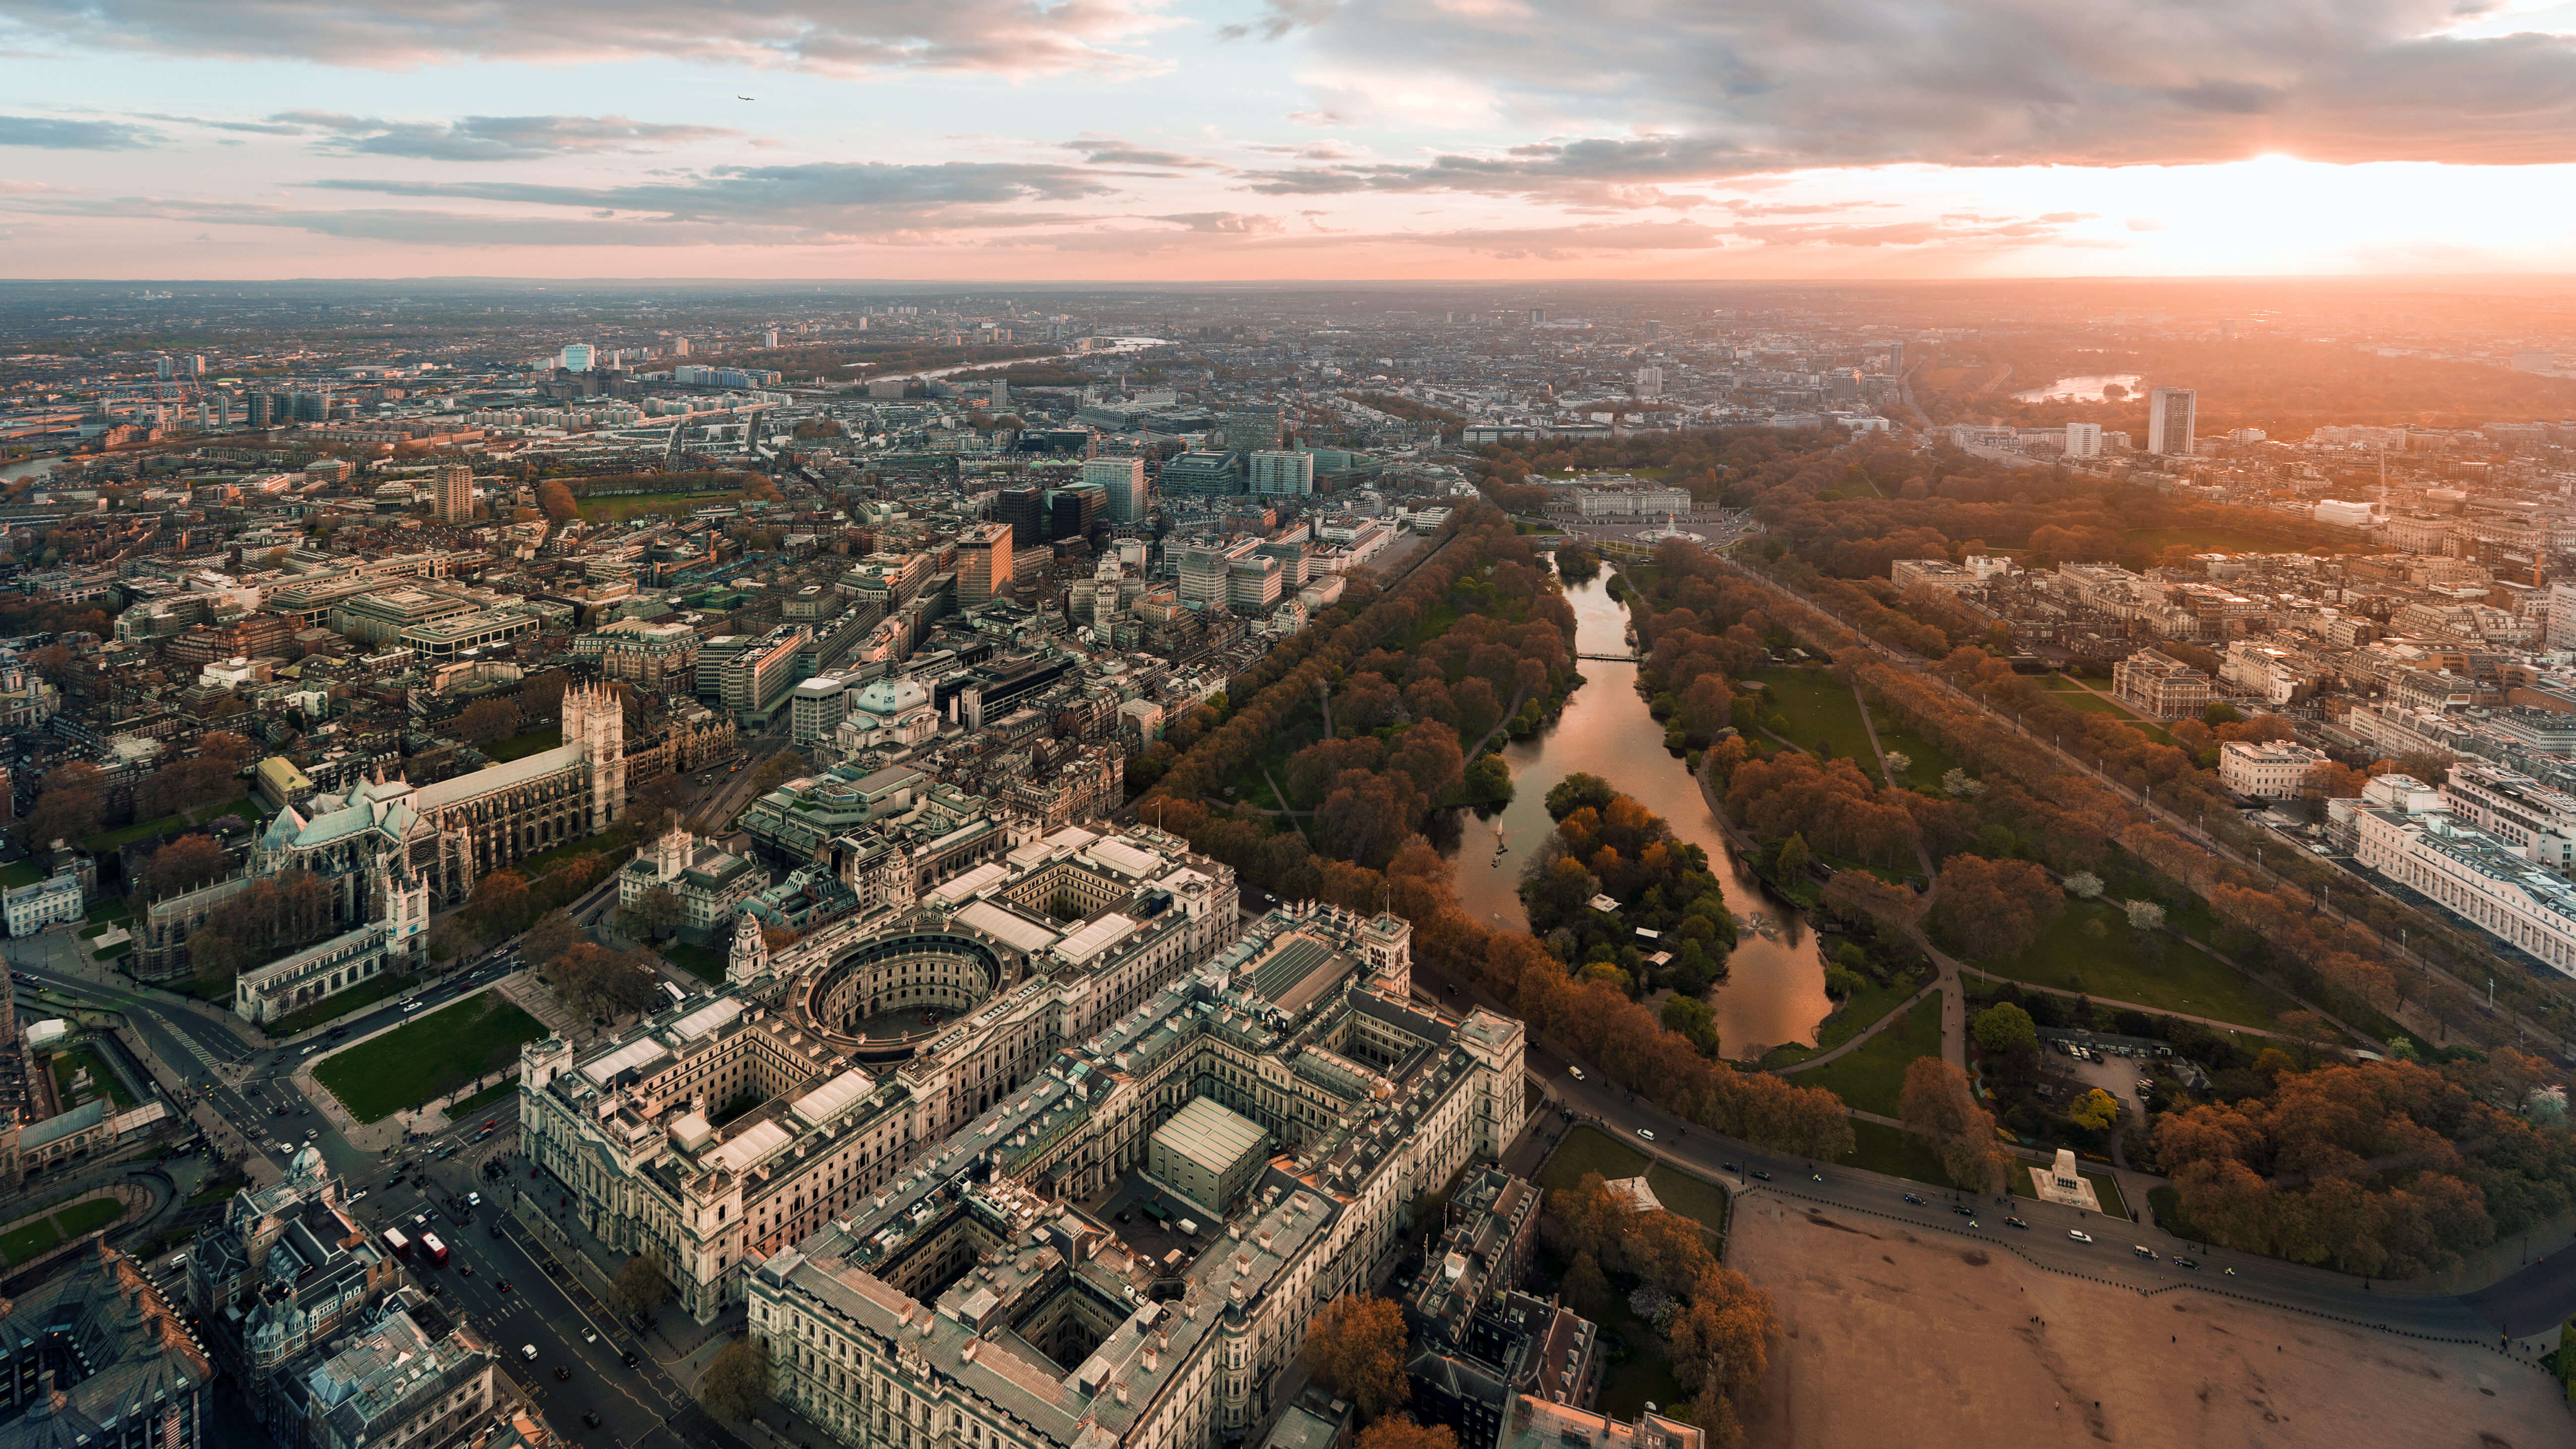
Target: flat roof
707	1018
1008	926
633	1054
752	1148
827	1101
1094	938
1208	1134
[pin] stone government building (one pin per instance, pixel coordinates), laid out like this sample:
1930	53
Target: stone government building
898	1140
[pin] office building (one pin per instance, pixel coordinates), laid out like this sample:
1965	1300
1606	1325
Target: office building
984	563
2273	771
412	1378
1123	479
967	1287
576	357
1070	510
162	368
31	908
1650	382
2160	686
2169	420
1251	430
769	339
1202	474
679	347
1283	473
2083	440
1025	510
454	486
92	1357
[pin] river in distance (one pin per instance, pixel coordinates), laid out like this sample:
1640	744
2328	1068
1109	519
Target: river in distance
1774	992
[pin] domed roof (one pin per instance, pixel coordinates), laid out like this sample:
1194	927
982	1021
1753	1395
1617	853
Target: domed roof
889	697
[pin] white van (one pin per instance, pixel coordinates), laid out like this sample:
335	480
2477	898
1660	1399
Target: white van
528	1351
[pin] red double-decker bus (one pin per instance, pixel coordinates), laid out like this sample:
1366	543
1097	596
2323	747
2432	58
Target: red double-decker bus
437	1250
395	1240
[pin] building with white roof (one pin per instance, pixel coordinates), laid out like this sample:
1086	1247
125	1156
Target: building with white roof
2408	834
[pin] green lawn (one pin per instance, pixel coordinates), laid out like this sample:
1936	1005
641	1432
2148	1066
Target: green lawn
698	961
521	746
121	948
1869	1078
20	873
108	840
623	506
67	1064
1852	1018
2106	1191
1820	709
430	1057
616	837
1682	1193
109	908
1931	761
1878	1147
42	1234
2091	703
2153	971
498	1091
1587	1150
341	1005
220	1192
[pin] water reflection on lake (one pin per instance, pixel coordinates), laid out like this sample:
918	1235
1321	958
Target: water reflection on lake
1775	987
2080	389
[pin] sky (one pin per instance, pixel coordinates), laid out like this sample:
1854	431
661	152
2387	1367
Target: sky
1221	140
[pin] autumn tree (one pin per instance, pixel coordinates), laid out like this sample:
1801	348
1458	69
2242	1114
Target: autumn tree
557	502
656	912
486	720
641	1286
183	864
1720	1342
498	897
71	806
1995	909
1356	1348
1398	1431
1937	1104
549	938
737	1378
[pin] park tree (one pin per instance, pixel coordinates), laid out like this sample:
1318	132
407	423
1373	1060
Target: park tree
656	912
487	720
1795	857
498	898
1577	791
2004	1027
557	501
2143	915
641	1286
1995	908
737	1378
71	805
183	864
1356	1347
1692	1018
549	938
1588	1289
1937	1104
2095	1111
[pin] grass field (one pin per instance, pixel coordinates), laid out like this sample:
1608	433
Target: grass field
1587	1150
521	746
1877	1147
20	873
1930	761
67	1064
498	1091
340	1005
698	961
619	508
41	1235
1870	1076
1820	710
429	1057
1854	1017
614	838
1682	1193
2153	971
107	840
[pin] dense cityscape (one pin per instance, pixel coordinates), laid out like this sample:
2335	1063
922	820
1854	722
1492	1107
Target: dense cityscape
1058	868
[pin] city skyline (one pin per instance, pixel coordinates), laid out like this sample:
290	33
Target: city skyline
1133	140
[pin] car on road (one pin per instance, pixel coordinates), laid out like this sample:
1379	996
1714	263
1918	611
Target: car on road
1728	1167
1647	1133
590	1417
1575	1072
627	1358
1760	1175
528	1351
2016	1223
504	1284
562	1374
1918	1202
474	1199
2186	1263
2143	1251
590	1335
2079	1235
1963	1210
